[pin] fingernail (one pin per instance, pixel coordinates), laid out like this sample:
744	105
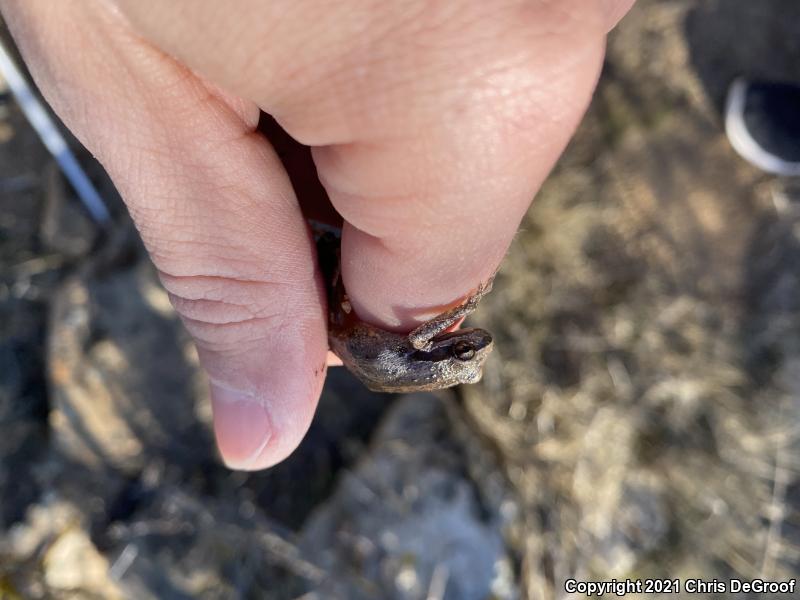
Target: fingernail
241	425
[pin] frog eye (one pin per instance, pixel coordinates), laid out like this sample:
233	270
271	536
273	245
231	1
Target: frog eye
463	350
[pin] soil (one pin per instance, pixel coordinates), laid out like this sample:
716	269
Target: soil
637	419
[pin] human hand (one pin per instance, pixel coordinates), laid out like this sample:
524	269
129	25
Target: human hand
432	125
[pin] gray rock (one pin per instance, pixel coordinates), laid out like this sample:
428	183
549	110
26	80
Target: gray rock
50	554
408	522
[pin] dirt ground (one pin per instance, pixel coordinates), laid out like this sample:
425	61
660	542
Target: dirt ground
637	420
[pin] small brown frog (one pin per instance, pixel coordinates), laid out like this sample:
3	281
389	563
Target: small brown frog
428	358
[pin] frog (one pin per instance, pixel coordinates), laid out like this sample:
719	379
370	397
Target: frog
430	357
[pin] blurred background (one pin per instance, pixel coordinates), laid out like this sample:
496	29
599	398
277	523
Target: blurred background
638	418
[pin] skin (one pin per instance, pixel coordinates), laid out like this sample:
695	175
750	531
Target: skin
432	125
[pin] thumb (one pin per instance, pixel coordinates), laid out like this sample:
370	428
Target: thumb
214	207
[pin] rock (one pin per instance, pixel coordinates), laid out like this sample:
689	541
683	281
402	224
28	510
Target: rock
73	563
408	522
67	564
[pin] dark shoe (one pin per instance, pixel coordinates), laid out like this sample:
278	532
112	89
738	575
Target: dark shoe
762	120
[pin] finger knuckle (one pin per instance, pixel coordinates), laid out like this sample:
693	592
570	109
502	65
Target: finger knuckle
226	315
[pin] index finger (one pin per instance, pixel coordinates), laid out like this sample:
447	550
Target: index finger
431	207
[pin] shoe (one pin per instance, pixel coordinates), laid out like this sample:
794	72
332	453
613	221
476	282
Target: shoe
762	121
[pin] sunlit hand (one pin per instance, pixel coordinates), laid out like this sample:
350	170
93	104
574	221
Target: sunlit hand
432	123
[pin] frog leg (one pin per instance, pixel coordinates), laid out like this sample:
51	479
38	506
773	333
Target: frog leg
421	337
